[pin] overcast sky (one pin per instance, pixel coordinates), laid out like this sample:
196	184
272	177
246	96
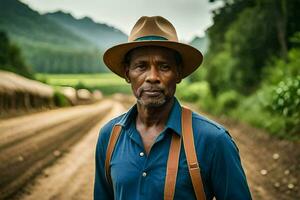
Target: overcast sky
190	17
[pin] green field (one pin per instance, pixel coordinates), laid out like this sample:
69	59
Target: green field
108	83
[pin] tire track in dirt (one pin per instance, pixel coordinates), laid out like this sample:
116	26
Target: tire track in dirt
72	176
20	162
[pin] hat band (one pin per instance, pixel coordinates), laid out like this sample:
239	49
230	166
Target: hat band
150	37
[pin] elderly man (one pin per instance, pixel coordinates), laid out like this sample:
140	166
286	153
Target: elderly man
158	149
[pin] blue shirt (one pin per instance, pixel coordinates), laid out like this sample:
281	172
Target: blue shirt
137	176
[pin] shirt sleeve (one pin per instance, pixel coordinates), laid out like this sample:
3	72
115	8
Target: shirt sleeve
227	175
102	190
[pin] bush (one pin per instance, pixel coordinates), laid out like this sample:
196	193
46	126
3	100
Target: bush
286	103
80	85
268	109
227	101
60	100
279	69
192	92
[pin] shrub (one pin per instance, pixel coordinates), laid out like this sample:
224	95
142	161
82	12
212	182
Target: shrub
286	103
193	92
227	101
60	100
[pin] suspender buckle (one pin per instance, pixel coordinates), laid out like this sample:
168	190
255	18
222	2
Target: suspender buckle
194	166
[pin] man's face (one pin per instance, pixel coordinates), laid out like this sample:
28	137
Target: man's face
153	74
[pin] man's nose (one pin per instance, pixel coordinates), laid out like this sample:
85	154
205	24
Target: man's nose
153	75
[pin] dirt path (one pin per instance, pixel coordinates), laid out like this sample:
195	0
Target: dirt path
272	166
24	151
72	177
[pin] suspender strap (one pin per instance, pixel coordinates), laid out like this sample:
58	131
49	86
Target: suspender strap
110	148
173	159
189	147
172	167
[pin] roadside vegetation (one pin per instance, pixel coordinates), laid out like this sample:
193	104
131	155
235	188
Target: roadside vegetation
251	71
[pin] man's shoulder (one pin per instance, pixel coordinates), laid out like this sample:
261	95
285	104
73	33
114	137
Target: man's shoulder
207	127
211	132
105	130
108	126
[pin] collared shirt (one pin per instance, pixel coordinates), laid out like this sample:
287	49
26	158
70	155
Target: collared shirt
137	176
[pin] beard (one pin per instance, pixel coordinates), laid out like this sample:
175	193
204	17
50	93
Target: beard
152	97
152	102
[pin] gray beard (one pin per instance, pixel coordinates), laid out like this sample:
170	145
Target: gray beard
152	103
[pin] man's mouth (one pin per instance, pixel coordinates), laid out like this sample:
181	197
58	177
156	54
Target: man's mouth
152	92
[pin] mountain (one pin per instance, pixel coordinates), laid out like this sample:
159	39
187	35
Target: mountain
200	43
102	35
23	23
57	42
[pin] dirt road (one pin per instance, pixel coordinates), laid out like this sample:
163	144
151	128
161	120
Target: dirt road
272	166
30	143
72	176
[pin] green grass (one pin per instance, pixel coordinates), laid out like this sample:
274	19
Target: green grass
108	83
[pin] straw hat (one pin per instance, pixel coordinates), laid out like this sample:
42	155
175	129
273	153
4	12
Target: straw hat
153	31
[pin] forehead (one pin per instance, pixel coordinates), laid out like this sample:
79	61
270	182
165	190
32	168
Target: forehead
160	53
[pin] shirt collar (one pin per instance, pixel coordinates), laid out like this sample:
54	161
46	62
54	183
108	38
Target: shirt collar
173	122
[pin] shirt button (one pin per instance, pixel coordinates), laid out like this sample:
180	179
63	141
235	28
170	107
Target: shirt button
144	174
142	154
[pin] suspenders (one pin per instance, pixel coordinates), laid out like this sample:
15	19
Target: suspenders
172	163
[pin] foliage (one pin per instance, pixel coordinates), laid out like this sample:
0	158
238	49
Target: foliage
227	101
275	106
279	69
11	58
253	111
286	103
244	37
253	66
198	92
60	100
193	91
80	85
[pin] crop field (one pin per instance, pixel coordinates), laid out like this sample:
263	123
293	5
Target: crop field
106	82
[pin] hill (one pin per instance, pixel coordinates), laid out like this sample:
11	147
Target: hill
102	35
52	43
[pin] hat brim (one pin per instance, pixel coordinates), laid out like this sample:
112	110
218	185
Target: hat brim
191	57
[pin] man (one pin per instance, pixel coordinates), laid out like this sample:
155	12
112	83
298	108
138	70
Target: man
135	167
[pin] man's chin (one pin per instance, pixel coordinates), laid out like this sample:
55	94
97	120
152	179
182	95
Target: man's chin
152	103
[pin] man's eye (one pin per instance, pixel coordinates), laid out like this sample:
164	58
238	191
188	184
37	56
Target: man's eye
138	66
165	67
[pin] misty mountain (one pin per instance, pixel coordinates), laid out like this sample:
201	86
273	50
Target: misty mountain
57	42
102	35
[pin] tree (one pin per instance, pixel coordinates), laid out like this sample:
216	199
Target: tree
11	58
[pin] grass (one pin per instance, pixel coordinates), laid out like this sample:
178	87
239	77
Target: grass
107	83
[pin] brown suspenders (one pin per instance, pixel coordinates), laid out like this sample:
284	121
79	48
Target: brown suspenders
172	164
190	153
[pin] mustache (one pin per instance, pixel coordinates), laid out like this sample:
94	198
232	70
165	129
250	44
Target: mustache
149	88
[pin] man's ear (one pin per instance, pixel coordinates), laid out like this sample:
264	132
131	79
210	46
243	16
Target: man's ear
179	73
178	80
126	67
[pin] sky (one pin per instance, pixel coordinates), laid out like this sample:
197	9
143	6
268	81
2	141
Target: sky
190	17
